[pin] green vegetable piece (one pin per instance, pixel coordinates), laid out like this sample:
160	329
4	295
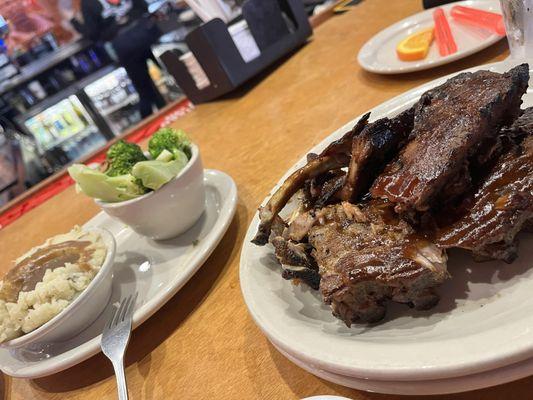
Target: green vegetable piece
100	186
122	156
155	173
165	156
170	139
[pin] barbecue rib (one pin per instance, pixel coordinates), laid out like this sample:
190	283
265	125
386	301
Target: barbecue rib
367	255
335	156
492	217
377	144
523	125
366	148
323	189
296	261
451	122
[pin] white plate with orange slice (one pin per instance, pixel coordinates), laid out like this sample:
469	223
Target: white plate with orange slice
380	54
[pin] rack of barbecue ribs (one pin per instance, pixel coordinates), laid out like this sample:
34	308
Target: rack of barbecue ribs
379	207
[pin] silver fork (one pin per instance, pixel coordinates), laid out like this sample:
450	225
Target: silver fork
115	338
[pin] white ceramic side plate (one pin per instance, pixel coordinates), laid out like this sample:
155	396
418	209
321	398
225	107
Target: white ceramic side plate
483	321
156	270
379	53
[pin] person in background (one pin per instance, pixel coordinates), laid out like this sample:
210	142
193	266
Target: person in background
127	32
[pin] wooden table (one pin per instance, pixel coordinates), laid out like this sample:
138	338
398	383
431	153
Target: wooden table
202	344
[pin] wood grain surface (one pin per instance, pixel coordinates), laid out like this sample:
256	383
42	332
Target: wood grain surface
202	344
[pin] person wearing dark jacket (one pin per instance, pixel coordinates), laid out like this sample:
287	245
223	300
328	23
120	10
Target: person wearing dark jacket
128	32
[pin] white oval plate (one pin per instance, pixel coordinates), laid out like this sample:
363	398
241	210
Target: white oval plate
459	384
379	53
156	270
483	321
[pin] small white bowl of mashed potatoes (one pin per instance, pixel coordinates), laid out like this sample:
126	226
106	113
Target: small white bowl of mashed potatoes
57	289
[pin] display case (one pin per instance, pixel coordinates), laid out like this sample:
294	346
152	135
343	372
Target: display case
63	131
115	99
59	123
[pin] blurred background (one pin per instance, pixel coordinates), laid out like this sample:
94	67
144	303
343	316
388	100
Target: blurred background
74	74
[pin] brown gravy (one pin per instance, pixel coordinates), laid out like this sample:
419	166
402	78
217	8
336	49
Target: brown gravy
25	275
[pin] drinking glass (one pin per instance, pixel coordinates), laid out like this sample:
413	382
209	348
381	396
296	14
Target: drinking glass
518	18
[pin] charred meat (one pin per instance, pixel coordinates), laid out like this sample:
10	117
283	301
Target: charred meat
379	142
367	256
522	126
379	207
323	189
490	219
451	122
365	149
335	156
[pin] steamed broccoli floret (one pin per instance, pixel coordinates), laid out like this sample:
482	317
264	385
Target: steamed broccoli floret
122	156
155	173
100	186
166	155
172	140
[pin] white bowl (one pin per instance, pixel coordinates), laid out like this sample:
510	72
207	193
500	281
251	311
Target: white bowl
168	211
83	311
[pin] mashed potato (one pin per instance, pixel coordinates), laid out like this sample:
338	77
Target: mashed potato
47	279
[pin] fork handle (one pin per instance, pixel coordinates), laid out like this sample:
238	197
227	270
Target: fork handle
118	366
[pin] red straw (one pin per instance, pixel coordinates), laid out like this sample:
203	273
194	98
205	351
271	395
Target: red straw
479	18
443	34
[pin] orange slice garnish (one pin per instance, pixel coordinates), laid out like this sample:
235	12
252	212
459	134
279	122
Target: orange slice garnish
416	46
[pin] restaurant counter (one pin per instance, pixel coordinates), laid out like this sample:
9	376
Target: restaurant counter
203	344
